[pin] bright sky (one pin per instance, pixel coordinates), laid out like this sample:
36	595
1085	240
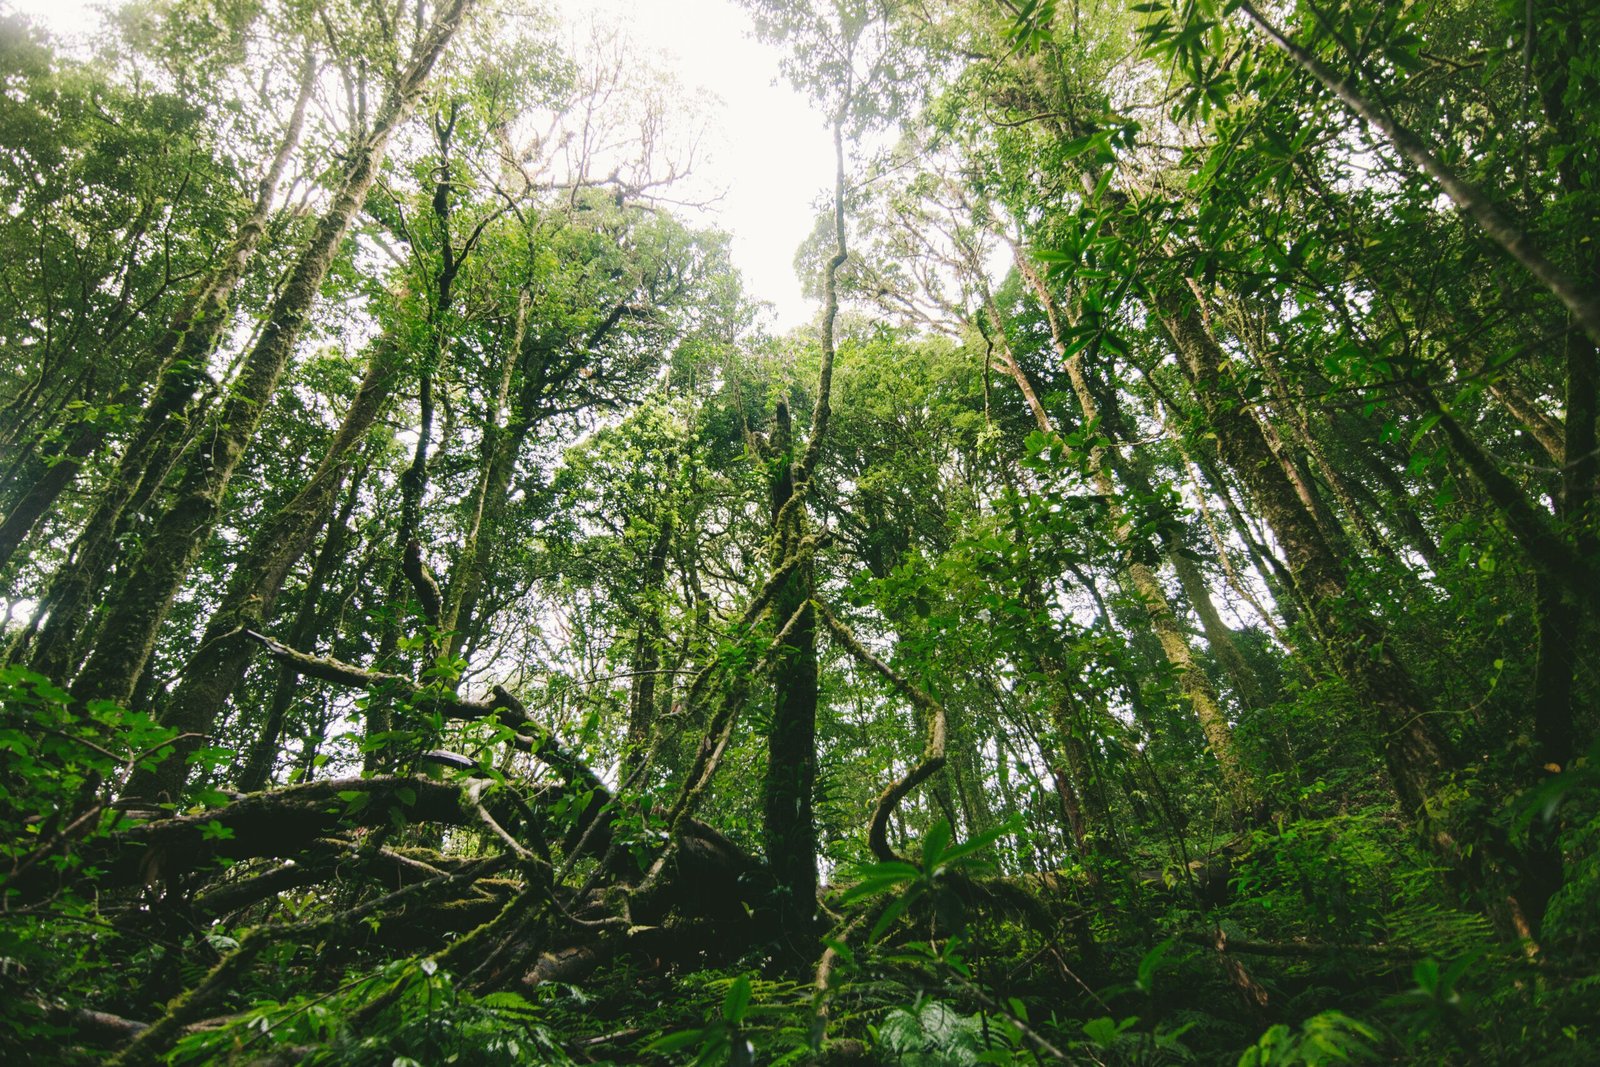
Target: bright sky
769	155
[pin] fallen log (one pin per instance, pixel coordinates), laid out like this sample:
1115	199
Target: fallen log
282	822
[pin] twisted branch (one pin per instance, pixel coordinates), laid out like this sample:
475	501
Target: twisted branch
933	753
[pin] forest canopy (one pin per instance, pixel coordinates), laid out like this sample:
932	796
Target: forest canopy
1138	620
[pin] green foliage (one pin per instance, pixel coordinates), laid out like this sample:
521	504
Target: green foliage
721	1040
431	1020
908	884
1327	1038
62	765
930	1033
1225	487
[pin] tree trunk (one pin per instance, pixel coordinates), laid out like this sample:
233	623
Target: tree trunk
1561	608
263	752
502	446
120	656
1580	296
789	833
216	668
179	359
1417	754
1243	793
646	660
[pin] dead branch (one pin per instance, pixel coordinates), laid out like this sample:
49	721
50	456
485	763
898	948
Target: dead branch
326	668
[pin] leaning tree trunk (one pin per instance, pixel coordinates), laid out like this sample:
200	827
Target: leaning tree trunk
1133	469
1244	795
120	656
1580	295
219	663
262	754
506	427
1197	591
68	603
1417	754
178	359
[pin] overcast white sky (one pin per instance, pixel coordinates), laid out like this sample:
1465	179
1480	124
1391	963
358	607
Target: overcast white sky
769	153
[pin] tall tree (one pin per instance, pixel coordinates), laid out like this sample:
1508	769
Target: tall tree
118	659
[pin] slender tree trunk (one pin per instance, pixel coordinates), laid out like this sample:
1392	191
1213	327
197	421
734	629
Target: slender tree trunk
1544	429
966	770
502	445
646	660
1417	754
264	751
1580	296
73	625
1400	509
179	358
47	485
1132	468
218	665
1082	797
1243	793
1224	551
1197	591
379	711
68	601
1294	414
1078	786
119	658
1537	533
1273	571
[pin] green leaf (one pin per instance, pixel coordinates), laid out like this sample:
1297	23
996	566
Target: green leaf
954	856
890	916
1105	1031
934	843
1150	963
215	831
736	1000
881	877
675	1042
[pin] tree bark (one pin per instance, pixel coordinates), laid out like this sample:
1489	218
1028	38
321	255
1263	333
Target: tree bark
263	752
504	434
1417	753
179	358
1581	297
214	671
1244	795
789	833
646	659
120	656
